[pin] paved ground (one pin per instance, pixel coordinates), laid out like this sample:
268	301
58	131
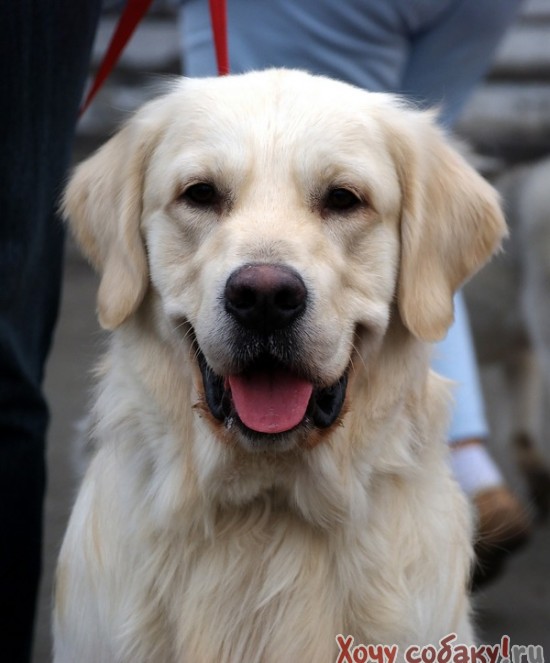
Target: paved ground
518	605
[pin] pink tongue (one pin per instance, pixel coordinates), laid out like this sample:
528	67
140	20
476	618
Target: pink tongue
270	401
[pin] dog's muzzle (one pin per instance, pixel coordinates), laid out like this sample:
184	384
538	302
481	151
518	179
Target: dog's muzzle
272	392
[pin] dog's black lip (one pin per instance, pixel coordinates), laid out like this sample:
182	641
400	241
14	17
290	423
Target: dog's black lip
217	396
323	409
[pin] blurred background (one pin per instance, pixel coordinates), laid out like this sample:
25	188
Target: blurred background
507	125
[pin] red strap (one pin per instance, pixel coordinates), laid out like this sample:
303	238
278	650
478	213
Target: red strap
134	11
218	18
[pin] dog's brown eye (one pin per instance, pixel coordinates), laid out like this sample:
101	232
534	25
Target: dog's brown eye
202	194
341	200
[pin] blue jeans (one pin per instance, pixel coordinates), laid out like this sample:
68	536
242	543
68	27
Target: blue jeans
44	51
433	51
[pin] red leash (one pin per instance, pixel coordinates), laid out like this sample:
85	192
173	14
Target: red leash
134	11
218	19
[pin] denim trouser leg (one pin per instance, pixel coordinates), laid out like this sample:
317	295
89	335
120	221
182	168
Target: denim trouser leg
44	51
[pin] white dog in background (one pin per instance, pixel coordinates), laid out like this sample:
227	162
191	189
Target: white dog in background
510	313
277	251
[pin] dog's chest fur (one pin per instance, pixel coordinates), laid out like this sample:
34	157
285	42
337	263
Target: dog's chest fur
210	556
258	582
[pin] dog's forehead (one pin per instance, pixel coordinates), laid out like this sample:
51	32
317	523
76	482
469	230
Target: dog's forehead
281	105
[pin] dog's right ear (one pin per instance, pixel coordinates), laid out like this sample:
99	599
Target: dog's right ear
103	204
451	223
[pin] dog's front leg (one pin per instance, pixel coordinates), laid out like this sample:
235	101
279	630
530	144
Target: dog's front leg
82	622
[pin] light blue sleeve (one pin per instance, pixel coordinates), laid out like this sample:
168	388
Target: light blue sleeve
454	357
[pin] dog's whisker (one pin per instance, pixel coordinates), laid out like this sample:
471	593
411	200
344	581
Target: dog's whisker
357	353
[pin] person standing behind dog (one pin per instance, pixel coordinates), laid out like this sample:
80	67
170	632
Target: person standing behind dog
433	52
45	50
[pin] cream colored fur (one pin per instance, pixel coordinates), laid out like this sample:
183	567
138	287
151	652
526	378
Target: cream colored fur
186	545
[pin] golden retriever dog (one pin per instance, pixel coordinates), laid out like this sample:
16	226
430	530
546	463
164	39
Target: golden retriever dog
277	251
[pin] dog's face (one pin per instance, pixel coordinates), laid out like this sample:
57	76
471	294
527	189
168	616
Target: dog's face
278	222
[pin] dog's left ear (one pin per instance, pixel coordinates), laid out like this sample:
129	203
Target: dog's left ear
451	223
103	204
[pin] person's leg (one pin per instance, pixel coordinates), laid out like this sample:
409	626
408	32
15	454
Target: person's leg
44	50
456	355
455	358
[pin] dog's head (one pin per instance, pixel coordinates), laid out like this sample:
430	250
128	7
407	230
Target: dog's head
279	221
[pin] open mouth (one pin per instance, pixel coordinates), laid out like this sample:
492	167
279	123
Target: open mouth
269	398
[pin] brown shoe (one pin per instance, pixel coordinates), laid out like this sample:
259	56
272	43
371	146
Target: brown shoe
503	526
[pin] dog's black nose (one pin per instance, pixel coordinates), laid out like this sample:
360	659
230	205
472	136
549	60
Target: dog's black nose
265	297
